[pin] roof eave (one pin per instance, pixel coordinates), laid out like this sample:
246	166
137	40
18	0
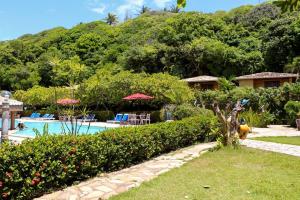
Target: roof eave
253	78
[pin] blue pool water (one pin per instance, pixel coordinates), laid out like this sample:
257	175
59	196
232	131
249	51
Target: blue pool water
54	128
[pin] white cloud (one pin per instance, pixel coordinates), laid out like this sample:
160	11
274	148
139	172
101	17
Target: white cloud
129	5
100	10
161	3
96	6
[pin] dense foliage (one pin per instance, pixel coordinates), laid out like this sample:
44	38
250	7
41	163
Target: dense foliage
257	119
244	40
106	89
292	109
266	103
41	96
50	162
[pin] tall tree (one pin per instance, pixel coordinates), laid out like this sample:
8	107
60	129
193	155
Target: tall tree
288	5
174	9
68	72
144	9
294	67
111	19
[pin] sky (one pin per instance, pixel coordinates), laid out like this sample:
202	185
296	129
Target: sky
19	17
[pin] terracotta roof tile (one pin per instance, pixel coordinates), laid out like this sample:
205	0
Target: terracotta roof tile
264	75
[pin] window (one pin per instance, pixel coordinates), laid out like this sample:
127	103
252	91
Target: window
271	84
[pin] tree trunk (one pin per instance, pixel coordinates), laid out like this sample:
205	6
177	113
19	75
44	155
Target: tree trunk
230	124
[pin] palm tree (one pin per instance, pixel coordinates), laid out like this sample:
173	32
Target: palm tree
111	19
144	9
174	9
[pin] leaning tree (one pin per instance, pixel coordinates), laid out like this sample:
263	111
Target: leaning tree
228	118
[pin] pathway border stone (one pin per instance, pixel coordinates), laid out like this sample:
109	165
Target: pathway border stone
293	150
114	183
273	131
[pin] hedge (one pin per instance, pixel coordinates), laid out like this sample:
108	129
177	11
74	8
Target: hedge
51	162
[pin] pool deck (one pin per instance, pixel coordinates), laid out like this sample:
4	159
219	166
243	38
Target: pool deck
12	136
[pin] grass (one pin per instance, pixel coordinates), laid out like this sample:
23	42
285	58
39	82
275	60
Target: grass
283	140
230	174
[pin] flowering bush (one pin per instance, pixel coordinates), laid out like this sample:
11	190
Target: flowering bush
50	162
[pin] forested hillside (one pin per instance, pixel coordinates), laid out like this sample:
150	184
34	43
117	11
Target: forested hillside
244	40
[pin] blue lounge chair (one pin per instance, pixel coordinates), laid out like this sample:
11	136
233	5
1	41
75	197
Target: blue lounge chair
51	117
45	116
32	115
89	118
117	119
124	119
35	115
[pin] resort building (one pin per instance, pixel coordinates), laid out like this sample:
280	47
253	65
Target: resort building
266	79
263	79
203	82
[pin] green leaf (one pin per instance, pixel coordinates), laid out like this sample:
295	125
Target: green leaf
181	3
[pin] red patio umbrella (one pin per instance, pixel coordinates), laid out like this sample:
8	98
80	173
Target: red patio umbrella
67	101
138	96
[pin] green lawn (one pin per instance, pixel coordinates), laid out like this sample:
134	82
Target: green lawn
230	174
282	140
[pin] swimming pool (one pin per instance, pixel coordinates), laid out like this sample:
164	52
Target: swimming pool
54	127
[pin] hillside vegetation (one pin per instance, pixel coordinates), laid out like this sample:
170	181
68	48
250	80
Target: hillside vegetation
244	40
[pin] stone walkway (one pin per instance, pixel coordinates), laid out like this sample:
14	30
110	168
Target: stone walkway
107	185
274	147
273	130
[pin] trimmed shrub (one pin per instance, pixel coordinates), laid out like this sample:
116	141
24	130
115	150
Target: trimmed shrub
185	110
188	110
292	108
50	162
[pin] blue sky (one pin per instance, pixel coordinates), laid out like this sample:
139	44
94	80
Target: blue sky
18	17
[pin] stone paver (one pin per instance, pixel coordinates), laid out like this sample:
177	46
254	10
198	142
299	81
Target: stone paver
271	131
275	147
114	183
274	130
